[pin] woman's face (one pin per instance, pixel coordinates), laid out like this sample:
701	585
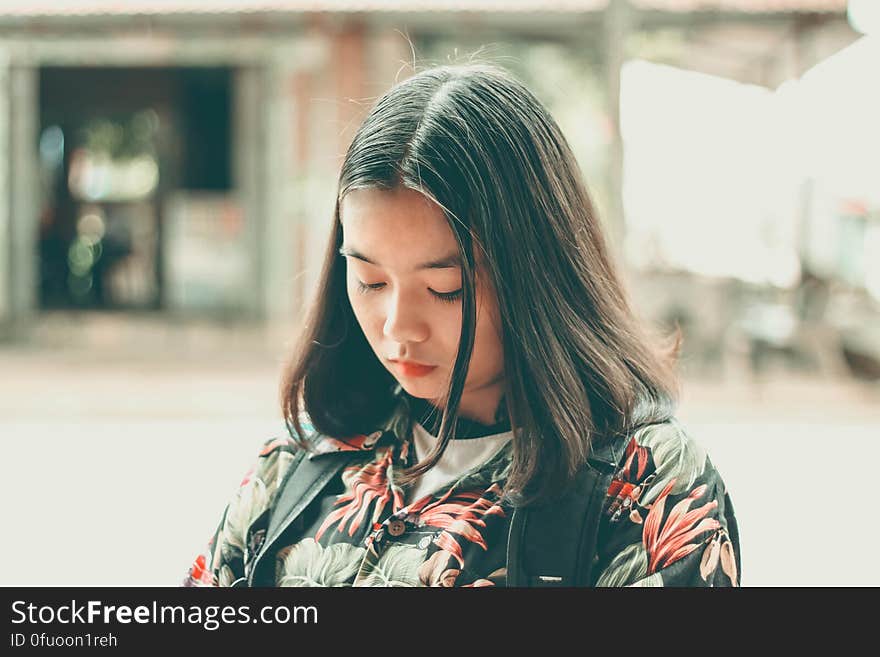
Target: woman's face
405	286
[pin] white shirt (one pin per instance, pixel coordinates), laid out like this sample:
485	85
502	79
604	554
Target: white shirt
461	455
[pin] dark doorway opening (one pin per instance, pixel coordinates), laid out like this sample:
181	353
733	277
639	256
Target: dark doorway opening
114	143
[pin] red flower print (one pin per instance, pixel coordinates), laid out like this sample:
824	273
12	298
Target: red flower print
624	490
637	454
460	514
667	542
199	575
365	484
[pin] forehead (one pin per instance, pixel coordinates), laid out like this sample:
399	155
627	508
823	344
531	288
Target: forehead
378	218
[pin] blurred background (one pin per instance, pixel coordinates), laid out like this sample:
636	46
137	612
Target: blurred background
167	179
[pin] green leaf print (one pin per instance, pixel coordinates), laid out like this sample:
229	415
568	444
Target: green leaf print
627	568
308	563
250	501
654	580
226	577
676	456
396	565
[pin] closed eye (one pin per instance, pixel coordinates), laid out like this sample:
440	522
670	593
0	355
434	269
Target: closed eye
447	297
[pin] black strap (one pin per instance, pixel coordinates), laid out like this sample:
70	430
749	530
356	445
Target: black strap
294	495
555	544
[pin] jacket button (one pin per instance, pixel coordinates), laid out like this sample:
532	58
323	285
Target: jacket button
396	527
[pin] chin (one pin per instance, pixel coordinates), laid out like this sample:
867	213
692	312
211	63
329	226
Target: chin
421	389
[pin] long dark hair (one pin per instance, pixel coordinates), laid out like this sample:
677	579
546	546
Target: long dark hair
578	365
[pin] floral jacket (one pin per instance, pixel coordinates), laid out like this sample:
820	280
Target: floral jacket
667	520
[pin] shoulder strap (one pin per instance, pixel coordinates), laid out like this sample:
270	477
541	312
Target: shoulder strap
555	544
305	479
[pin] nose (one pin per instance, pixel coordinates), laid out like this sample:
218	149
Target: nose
404	321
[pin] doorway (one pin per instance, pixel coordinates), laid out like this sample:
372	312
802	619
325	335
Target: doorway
114	145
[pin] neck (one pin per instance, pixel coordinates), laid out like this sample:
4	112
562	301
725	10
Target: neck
479	414
479	404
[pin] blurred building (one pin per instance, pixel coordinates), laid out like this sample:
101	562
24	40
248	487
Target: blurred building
180	156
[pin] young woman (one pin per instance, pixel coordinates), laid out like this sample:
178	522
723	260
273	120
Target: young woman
472	402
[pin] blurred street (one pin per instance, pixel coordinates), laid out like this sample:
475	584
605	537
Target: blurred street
125	447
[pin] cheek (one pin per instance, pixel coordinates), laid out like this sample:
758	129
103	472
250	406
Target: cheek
488	349
446	328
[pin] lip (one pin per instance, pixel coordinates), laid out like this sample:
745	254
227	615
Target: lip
412	369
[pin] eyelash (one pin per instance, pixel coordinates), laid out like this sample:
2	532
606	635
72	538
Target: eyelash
445	297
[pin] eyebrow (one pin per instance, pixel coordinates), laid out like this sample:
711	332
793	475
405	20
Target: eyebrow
447	262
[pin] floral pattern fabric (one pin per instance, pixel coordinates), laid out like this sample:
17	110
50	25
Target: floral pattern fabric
667	521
